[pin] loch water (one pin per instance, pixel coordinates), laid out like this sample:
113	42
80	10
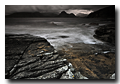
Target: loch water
58	31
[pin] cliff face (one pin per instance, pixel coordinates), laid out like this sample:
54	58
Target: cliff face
108	12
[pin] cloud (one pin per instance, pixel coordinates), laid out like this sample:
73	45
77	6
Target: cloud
76	11
50	8
81	15
18	8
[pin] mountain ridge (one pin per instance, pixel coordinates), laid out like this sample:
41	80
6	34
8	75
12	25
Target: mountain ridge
64	14
37	14
107	12
30	14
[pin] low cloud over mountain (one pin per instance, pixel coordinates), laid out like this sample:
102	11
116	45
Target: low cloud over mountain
75	9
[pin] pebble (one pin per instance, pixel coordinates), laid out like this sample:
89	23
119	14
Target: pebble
71	67
41	52
106	52
55	51
113	76
96	54
47	53
39	55
78	75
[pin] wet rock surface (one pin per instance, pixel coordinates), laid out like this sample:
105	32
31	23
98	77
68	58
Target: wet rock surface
90	61
30	57
15	45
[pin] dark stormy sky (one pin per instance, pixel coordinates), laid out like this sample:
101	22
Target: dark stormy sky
79	10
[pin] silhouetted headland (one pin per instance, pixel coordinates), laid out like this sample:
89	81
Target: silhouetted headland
37	14
107	12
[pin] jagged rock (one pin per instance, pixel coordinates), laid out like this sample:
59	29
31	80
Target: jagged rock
78	75
28	74
113	76
54	57
71	67
52	75
67	75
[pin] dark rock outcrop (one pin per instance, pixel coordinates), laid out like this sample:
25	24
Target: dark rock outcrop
108	12
106	33
64	14
30	57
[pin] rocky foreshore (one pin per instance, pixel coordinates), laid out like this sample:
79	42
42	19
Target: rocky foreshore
91	60
31	57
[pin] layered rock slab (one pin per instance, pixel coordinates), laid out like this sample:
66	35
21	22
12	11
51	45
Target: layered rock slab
29	57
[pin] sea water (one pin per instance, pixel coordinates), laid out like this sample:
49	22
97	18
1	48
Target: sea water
58	31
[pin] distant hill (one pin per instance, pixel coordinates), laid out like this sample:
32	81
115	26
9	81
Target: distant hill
30	14
37	14
64	14
107	12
